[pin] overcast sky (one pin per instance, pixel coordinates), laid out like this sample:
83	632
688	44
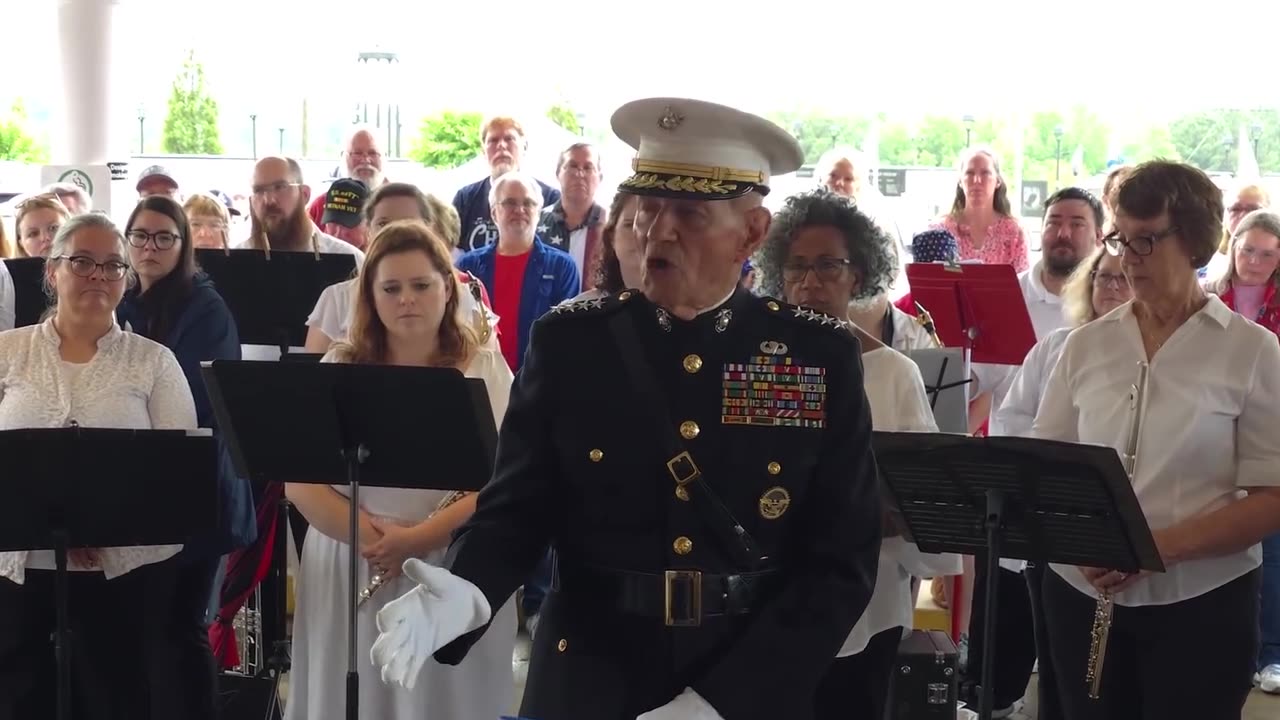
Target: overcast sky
1121	57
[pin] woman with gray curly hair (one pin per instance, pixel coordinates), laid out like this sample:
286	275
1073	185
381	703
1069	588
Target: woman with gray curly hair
854	283
821	252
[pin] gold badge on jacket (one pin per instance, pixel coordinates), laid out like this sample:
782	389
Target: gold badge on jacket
774	502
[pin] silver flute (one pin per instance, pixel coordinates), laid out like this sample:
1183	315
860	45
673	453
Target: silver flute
378	580
1104	608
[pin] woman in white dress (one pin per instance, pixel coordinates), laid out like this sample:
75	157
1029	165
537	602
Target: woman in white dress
405	314
825	254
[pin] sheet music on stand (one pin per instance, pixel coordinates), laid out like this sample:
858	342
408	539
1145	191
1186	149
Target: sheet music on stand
946	385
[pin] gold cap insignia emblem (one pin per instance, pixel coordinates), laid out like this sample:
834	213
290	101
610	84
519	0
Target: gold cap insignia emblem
774	502
670	119
773	347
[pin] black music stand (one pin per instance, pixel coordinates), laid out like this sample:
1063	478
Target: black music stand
30	300
59	498
271	295
1008	497
980	308
335	424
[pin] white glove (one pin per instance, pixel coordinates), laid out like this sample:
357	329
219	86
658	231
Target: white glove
414	626
688	705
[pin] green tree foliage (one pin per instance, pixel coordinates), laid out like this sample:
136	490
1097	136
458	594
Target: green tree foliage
448	140
562	115
191	126
1210	139
17	142
819	133
1053	157
1155	143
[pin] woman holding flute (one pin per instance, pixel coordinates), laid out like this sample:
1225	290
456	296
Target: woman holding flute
405	314
1204	447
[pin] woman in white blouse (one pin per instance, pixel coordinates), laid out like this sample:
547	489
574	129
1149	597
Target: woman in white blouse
1097	287
1182	643
406	304
77	368
822	253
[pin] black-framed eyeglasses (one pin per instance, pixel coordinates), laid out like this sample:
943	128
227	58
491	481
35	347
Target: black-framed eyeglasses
1142	245
163	239
828	269
85	266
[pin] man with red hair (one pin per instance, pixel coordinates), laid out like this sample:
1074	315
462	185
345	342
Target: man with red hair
504	145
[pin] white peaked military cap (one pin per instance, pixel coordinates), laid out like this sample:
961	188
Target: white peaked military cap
701	151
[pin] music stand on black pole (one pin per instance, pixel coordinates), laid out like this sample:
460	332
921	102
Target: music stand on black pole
59	499
340	424
270	296
1008	497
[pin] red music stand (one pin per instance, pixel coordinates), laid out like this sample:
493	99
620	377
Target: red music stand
976	307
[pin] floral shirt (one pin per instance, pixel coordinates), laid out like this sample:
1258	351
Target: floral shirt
1006	244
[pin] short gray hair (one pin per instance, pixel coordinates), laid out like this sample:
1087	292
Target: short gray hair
58	248
65	188
530	185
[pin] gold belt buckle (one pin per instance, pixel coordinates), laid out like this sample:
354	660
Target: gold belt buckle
683	469
689	614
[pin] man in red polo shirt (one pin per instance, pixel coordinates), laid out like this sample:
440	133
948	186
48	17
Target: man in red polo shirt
364	163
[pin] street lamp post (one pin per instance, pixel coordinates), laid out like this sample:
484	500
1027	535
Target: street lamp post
1255	134
253	133
281	141
142	135
1227	142
1057	156
968	130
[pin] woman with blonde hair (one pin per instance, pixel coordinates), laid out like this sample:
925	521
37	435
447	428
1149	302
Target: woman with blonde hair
406	313
37	221
981	217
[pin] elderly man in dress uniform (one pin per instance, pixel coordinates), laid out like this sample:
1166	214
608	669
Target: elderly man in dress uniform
699	458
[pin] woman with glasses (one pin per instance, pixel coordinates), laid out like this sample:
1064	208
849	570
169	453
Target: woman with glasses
822	253
1183	643
1097	287
1249	287
37	221
78	368
176	305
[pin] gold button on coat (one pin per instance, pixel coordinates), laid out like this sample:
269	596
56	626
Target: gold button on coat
562	645
692	363
682	545
773	306
682	494
596	455
774	468
689	429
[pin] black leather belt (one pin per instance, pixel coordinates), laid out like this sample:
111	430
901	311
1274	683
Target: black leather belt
680	598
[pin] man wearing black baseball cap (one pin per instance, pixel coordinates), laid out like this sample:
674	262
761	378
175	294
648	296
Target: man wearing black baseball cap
343	206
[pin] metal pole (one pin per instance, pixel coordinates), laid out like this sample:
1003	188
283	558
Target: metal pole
1057	162
142	135
281	141
253	122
